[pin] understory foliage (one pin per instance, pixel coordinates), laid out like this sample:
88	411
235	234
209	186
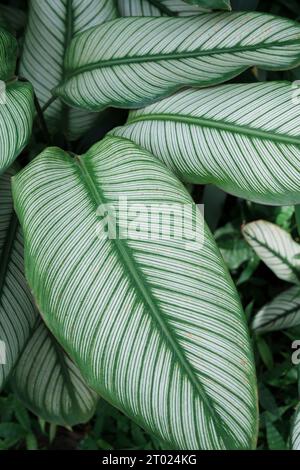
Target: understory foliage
127	342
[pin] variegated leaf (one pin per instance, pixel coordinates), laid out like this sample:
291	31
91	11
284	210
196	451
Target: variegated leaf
243	138
276	248
16	118
283	312
51	26
49	384
8	55
213	4
295	437
155	325
17	312
159	8
143	59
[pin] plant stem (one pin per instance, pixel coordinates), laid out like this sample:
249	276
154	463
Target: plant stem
48	103
41	119
297	214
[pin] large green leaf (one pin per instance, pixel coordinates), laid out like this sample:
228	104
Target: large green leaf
243	138
8	55
147	58
51	26
154	324
276	248
295	437
283	312
16	118
17	312
158	8
50	384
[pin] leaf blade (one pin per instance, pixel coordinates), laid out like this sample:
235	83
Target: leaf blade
137	308
152	48
242	138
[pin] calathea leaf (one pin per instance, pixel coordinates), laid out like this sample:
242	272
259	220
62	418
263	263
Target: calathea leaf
214	4
158	8
49	384
8	55
16	118
17	312
283	312
160	55
276	248
243	138
295	437
154	324
51	26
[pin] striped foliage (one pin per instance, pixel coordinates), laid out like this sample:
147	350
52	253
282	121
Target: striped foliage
295	437
276	248
51	26
283	312
243	138
17	312
49	383
8	55
143	59
16	118
214	4
162	8
155	325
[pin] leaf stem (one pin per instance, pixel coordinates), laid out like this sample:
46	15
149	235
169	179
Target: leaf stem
297	214
48	103
41	119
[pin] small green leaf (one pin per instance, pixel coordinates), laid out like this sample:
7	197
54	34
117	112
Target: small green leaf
8	55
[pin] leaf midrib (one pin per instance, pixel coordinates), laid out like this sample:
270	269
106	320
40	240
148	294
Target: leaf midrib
137	279
218	124
286	313
276	254
173	56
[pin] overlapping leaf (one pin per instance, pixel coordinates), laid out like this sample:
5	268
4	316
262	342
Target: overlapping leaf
50	384
17	312
243	138
155	326
276	248
214	4
296	431
16	118
161	8
143	59
8	55
283	312
51	26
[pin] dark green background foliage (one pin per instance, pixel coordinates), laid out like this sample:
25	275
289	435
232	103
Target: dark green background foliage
277	378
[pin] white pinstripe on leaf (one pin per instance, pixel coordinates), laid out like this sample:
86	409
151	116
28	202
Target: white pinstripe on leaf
49	383
283	312
17	312
16	118
51	25
155	328
276	248
143	59
295	437
167	8
243	138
